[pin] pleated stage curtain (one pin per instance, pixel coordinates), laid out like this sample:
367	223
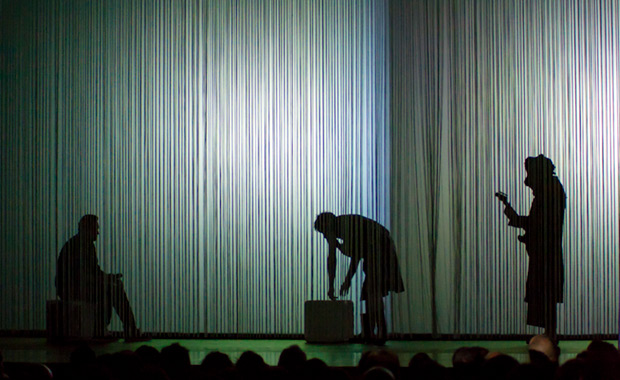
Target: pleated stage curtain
208	135
477	87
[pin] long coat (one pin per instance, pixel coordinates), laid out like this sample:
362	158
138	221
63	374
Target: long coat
543	241
366	240
78	275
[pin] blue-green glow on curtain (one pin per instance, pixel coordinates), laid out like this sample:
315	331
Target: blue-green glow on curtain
206	135
477	87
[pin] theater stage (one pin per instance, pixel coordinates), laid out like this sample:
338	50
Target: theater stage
37	350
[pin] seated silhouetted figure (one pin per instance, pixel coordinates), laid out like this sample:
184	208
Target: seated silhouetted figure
79	278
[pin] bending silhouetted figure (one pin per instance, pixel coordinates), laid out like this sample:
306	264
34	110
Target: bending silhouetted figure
543	242
79	278
365	240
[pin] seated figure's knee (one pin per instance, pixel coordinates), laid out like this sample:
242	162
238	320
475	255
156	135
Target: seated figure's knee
115	285
118	284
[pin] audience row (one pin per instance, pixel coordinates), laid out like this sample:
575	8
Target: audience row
600	360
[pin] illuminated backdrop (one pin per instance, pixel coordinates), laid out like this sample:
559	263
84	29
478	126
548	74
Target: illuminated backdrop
476	88
207	135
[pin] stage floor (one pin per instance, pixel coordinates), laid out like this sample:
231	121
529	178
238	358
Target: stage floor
37	350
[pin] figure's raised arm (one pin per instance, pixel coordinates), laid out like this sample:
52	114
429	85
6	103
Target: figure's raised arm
514	219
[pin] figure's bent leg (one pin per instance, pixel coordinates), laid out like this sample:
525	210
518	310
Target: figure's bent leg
120	302
103	311
100	299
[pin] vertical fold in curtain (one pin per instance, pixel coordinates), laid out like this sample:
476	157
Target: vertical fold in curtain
476	88
206	135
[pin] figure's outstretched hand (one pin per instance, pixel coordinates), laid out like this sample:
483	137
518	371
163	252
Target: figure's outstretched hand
330	294
346	285
503	197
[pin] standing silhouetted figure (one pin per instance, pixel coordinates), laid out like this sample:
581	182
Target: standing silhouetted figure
79	278
543	242
363	239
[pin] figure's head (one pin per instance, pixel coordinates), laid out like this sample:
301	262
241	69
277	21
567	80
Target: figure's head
89	227
325	222
539	170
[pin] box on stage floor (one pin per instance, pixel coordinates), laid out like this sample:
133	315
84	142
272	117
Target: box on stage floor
328	321
68	320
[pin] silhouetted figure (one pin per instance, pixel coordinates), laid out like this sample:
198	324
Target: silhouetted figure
315	369
467	362
603	360
216	362
82	356
3	374
543	242
575	369
528	371
426	368
385	359
378	373
545	346
79	278
176	362
250	365
498	367
544	355
292	358
151	360
363	239
125	365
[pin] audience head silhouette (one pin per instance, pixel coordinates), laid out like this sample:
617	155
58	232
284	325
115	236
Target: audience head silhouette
216	362
601	360
82	355
292	358
149	355
380	358
250	362
499	366
425	367
544	345
468	360
175	361
378	373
